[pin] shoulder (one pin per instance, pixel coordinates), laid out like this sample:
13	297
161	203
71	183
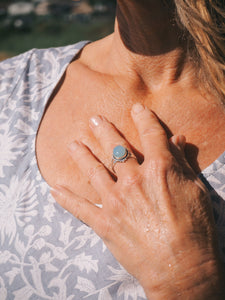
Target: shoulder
11	69
35	65
57	57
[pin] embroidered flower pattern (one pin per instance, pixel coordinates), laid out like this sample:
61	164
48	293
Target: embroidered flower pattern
17	206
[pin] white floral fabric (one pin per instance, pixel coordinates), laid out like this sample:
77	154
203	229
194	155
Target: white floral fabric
45	253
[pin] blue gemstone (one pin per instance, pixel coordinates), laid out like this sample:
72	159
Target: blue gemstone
119	152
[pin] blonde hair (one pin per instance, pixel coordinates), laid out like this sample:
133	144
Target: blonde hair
203	23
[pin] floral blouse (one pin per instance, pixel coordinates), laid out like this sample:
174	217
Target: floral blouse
46	253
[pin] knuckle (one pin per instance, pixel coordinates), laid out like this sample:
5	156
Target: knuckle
104	126
76	208
154	131
131	179
94	172
160	163
106	229
115	203
79	153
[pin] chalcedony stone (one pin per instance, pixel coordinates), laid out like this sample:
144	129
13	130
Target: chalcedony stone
119	152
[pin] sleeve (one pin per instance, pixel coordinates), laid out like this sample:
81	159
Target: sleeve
11	70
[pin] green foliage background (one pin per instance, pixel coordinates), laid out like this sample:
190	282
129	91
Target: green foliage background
53	31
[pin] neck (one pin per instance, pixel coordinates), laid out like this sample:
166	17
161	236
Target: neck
147	44
130	70
147	27
146	48
146	60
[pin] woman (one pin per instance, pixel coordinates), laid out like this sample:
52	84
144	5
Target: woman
167	58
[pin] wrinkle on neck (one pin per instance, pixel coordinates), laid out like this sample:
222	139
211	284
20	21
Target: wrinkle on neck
147	46
146	49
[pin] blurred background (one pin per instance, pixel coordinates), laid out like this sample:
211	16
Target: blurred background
26	24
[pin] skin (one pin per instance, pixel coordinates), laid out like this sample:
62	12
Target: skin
143	61
110	77
156	218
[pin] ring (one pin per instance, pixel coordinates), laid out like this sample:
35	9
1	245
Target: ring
121	155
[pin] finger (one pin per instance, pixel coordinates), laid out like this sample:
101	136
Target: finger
177	146
152	135
109	137
93	169
79	207
179	141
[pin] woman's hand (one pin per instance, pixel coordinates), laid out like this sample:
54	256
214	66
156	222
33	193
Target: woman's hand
156	218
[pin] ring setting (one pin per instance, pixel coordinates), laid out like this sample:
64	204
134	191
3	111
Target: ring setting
120	154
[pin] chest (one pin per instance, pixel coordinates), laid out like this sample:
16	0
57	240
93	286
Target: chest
78	99
67	119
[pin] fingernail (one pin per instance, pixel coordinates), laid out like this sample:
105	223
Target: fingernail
137	108
181	141
173	139
73	146
178	140
95	121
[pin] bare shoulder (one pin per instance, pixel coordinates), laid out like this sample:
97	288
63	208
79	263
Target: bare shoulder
93	57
